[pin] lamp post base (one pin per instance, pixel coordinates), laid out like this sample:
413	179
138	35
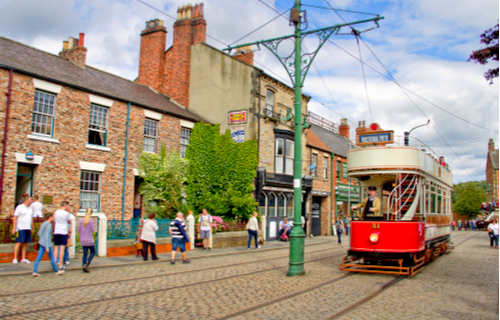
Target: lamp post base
296	264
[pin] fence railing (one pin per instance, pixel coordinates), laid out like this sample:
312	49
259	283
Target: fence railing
128	229
6	227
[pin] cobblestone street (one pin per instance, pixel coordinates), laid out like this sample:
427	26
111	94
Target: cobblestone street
253	285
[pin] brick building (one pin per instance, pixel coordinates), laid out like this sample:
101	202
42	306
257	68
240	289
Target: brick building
327	148
66	128
492	179
230	91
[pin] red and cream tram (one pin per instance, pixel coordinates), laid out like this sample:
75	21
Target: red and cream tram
412	226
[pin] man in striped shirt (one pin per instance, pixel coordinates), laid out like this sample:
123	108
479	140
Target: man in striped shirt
179	237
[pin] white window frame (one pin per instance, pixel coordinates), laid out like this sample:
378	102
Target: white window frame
41	116
185	140
269	109
289	156
99	127
314	160
148	136
90	195
279	159
325	167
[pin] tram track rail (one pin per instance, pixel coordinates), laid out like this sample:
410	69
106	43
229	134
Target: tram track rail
156	275
360	302
142	293
384	287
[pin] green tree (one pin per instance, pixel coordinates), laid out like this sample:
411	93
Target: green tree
220	173
468	197
163	175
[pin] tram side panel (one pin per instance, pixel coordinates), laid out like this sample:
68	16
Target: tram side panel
375	238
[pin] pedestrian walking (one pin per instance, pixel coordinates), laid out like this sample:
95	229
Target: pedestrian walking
493	228
472	225
204	227
86	230
179	237
23	225
148	237
459	224
45	244
37	207
346	225
61	231
253	230
467	225
66	249
453	225
339	226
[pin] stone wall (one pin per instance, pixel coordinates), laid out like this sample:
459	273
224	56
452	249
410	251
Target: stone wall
230	239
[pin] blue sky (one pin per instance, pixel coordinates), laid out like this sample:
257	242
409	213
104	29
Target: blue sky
425	44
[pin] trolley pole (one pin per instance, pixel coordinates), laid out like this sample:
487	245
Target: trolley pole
297	65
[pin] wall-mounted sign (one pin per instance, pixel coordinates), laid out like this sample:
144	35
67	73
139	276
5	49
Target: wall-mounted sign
238	117
47	199
238	134
30	156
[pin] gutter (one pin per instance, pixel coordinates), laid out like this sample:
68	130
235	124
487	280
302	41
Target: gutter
4	142
125	163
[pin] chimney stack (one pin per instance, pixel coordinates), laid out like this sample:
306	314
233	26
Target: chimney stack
245	54
75	51
344	128
491	145
152	56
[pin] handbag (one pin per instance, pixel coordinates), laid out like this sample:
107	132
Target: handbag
70	242
138	246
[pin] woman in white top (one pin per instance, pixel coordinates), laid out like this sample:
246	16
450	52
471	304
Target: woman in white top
148	237
493	228
253	230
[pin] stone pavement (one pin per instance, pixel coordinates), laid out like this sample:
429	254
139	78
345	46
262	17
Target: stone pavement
234	283
97	262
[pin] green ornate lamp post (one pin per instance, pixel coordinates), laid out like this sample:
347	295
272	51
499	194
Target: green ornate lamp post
297	65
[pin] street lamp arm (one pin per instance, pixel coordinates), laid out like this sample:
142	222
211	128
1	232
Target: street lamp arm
407	133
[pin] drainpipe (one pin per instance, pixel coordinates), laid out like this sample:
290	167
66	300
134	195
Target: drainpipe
5	130
332	194
125	164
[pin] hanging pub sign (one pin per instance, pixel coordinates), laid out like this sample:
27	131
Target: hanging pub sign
238	117
373	135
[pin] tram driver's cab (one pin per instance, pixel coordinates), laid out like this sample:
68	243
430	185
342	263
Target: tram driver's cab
370	207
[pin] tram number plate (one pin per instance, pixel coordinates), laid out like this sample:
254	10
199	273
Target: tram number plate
375	225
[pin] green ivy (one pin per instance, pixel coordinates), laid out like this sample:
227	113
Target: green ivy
220	173
163	175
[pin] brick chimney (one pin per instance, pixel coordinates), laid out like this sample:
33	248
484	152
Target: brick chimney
75	51
491	145
189	30
152	56
245	54
344	128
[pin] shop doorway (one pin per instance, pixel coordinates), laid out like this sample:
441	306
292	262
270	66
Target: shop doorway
316	216
24	180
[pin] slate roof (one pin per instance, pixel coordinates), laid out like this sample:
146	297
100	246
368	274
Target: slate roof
336	143
494	159
315	142
46	66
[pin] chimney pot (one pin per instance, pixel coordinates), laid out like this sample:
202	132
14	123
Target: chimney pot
70	43
81	40
201	10
65	45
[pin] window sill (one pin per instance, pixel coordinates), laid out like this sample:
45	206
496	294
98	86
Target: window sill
42	138
95	147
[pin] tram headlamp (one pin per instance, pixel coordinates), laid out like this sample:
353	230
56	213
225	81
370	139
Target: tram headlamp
374	237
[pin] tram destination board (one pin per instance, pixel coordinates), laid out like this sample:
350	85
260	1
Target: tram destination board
376	138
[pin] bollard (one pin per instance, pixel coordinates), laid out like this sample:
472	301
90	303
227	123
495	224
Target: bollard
72	249
191	235
102	233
